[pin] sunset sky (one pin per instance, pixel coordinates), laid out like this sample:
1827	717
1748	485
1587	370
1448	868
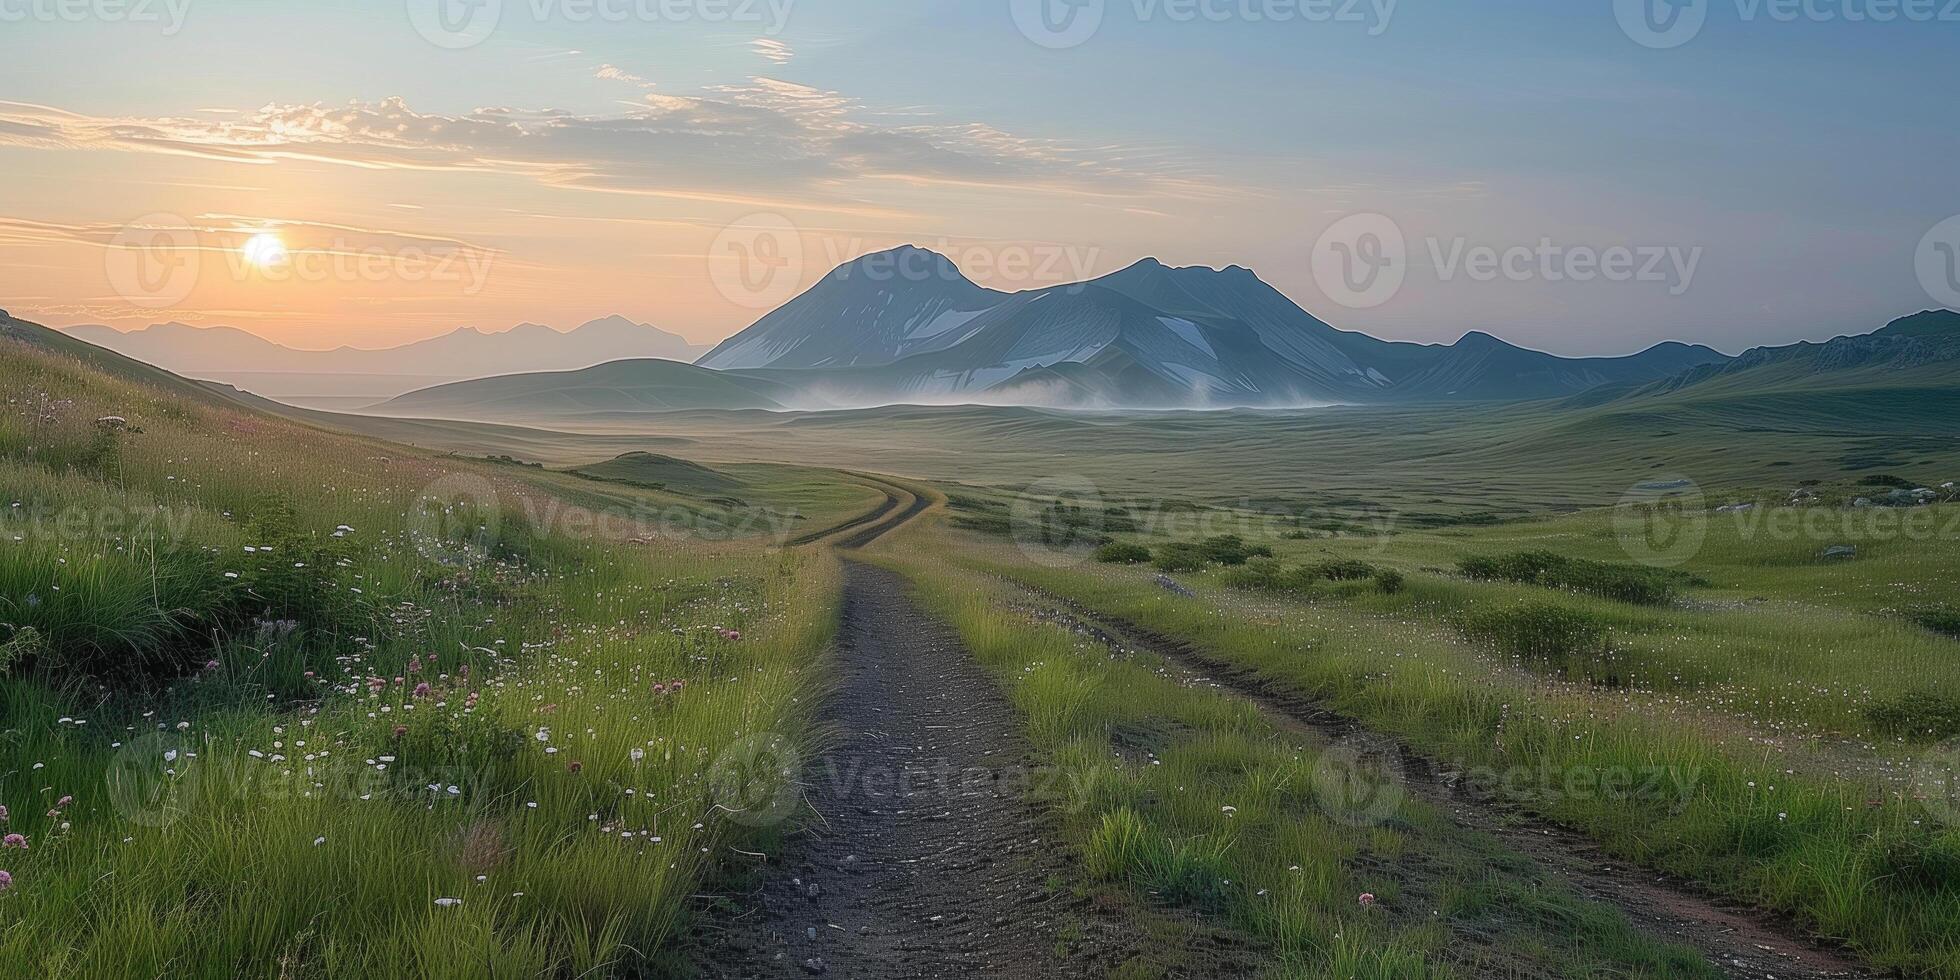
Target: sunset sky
577	161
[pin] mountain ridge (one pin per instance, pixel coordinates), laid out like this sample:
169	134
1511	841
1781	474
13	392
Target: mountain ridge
1146	335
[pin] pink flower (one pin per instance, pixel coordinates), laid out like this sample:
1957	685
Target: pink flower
64	801
576	765
731	634
415	665
676	686
3	814
6	881
659	688
422	690
1367	900
14	840
211	665
376	684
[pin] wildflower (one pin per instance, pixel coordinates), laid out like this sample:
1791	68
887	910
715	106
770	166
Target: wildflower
731	634
14	840
1367	900
64	801
422	690
3	814
401	730
576	765
6	881
449	903
415	665
659	689
211	665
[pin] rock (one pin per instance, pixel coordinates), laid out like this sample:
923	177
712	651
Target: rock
815	965
1169	584
1862	502
1839	552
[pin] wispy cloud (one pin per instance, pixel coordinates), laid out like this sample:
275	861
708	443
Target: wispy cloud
763	139
773	51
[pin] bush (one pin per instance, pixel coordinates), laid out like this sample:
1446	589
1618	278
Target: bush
1920	714
1123	553
1257	573
1929	862
1551	637
1344	570
1636	584
1180	557
1389	581
1941	620
1230	549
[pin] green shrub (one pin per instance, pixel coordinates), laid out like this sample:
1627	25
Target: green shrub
1230	549
1548	636
1939	620
1389	581
1179	557
1344	570
1921	714
1257	573
1123	553
1636	584
1928	862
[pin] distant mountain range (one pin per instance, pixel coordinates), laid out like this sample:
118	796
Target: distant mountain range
234	356
1146	336
905	326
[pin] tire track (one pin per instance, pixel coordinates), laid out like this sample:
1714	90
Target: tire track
1744	943
927	858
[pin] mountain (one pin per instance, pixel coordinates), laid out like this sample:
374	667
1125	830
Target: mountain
1149	335
870	311
615	388
236	357
1918	350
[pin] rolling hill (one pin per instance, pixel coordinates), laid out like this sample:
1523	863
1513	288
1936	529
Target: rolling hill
249	361
618	387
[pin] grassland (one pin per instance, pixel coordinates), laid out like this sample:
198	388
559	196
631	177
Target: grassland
1798	703
280	702
1179	794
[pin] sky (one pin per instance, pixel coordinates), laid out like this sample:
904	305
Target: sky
1581	177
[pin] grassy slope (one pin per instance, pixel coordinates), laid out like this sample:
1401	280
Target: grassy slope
1755	689
149	787
1181	794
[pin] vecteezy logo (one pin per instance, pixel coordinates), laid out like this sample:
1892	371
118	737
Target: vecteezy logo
1938	263
1937	785
455	24
153	261
757	262
456	520
1058	24
1663	522
1361	260
1360	783
756	781
1057	522
149	781
1661	24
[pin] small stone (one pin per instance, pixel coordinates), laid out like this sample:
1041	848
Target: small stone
815	965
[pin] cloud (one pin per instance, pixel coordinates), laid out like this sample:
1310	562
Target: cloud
764	138
772	50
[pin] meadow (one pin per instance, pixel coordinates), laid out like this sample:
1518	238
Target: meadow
276	701
1799	700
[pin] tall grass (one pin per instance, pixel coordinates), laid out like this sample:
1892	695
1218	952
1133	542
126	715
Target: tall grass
265	716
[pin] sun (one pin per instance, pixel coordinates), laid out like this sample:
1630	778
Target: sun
264	250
